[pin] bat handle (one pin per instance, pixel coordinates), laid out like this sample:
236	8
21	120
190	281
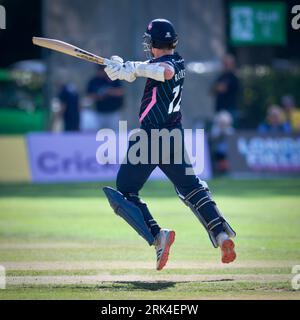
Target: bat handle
106	62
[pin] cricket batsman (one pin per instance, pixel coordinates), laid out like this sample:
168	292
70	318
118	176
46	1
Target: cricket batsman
160	109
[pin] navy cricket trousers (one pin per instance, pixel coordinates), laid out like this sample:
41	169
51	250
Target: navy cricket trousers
132	177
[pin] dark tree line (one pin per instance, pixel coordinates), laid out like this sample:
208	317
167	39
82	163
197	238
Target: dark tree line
23	20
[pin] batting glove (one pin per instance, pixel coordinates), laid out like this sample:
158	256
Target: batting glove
128	72
113	68
118	70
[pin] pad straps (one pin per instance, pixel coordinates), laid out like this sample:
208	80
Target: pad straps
205	209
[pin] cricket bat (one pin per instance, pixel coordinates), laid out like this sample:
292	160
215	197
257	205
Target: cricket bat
69	49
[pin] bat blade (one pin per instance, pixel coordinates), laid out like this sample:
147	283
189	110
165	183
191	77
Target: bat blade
69	49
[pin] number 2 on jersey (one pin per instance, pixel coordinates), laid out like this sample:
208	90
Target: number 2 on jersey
177	91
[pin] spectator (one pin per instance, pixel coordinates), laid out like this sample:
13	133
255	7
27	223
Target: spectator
275	122
226	87
221	129
292	113
69	106
107	97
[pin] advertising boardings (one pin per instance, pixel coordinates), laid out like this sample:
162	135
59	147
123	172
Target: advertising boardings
72	158
66	158
14	166
250	152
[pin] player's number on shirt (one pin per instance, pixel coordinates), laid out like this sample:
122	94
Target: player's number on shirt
177	91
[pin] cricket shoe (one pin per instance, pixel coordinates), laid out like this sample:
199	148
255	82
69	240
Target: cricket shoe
227	249
163	242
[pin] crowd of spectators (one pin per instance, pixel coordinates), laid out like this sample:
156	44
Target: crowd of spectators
283	118
104	101
100	107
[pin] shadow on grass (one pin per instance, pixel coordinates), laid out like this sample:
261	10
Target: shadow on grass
155	189
136	285
149	286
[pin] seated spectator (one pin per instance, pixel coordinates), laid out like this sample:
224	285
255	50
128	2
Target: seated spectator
221	129
292	113
275	122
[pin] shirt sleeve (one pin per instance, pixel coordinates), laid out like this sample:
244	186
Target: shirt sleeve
169	63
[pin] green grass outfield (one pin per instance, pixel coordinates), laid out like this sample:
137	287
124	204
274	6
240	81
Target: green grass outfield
64	242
